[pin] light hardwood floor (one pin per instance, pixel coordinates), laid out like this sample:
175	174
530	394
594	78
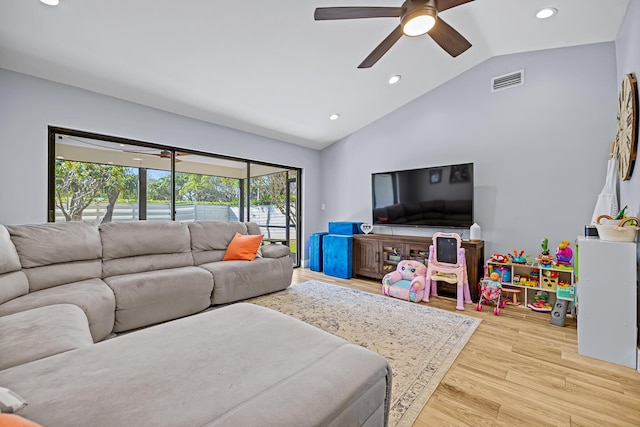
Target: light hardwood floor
519	370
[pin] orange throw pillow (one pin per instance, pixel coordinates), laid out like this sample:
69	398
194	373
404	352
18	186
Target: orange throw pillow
12	420
243	247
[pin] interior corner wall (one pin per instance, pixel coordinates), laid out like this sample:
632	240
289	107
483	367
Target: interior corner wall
539	150
28	105
628	62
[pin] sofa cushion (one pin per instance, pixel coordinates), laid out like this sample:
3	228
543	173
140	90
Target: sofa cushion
13	285
9	259
54	243
134	247
253	228
56	253
241	365
42	332
243	247
13	282
239	280
209	239
53	275
275	251
93	296
151	297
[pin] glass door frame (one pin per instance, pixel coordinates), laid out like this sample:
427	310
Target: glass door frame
245	190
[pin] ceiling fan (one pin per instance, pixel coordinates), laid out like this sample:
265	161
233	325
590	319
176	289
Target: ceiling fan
165	154
417	17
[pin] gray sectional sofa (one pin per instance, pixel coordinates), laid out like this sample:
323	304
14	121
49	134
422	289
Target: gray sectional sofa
129	275
65	287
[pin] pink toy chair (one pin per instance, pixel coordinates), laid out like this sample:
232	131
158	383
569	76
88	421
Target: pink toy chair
447	263
407	282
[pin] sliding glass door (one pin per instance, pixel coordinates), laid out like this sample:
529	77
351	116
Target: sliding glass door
103	179
273	204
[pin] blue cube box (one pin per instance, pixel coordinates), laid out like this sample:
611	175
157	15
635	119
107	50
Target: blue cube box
345	228
315	251
337	255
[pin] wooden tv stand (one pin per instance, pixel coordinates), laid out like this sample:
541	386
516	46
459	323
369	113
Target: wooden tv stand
375	255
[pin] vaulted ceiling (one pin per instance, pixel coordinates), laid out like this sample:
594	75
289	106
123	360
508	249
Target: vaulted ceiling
266	67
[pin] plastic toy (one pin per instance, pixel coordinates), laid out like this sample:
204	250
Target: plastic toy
519	258
545	259
500	258
407	281
559	312
504	272
564	253
540	303
535	277
622	213
491	290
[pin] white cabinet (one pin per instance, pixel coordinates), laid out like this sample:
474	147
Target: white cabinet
607	301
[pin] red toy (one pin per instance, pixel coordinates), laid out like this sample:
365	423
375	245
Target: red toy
500	258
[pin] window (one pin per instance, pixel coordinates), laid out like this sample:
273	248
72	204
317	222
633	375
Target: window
103	179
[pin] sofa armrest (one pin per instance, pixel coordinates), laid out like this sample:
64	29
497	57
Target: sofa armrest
275	251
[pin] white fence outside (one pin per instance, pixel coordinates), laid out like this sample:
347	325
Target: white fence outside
271	220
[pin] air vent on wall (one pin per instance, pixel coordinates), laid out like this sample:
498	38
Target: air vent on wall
507	81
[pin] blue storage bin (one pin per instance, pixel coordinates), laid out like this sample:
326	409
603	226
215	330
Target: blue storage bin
315	251
337	255
345	228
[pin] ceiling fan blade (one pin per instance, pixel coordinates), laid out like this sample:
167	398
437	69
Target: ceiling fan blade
449	39
327	13
382	48
448	4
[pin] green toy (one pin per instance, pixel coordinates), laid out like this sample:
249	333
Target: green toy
621	213
545	246
546	260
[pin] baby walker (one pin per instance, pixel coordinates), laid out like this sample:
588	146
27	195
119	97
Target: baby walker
491	290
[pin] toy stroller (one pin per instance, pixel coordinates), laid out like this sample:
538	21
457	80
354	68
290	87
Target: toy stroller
491	290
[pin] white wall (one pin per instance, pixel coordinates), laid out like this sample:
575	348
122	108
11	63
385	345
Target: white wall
628	62
540	150
28	105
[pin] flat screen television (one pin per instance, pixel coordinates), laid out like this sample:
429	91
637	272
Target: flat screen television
439	196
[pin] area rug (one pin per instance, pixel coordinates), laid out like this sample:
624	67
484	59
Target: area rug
419	342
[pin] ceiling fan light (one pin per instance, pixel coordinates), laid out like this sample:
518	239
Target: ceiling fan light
419	21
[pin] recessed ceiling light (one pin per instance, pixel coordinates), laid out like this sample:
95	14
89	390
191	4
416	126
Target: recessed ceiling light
547	12
51	2
334	117
137	158
394	79
60	157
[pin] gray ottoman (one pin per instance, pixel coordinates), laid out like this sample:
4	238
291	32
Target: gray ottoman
240	365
